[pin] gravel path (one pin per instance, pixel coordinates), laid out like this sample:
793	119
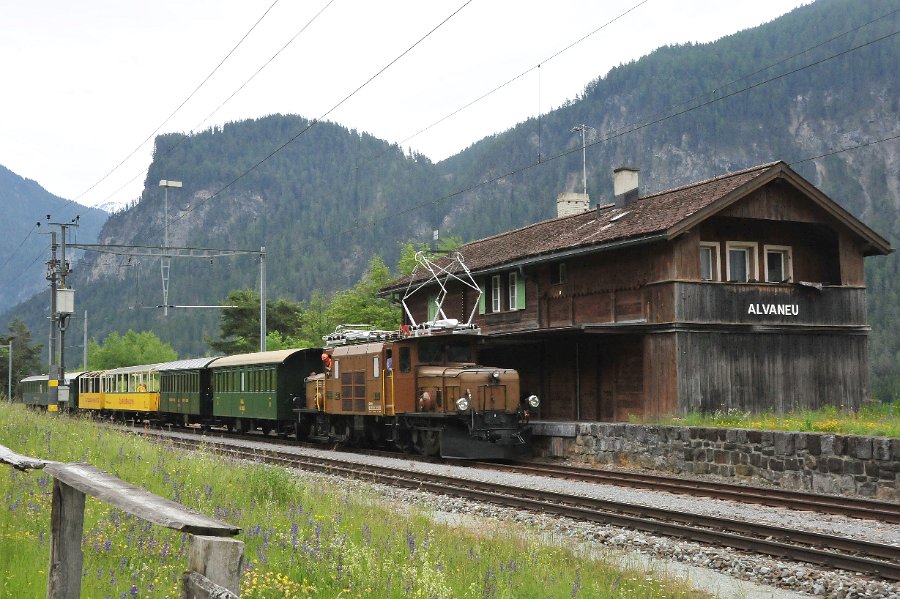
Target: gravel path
723	572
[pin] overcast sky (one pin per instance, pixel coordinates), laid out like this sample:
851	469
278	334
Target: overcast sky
84	84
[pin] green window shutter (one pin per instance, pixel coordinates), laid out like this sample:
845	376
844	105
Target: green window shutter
520	293
432	308
481	298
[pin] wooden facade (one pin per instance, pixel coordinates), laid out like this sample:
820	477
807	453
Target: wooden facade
742	292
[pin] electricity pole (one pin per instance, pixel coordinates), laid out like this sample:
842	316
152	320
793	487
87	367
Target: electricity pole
165	260
62	304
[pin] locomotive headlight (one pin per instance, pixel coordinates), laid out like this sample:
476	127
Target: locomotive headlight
533	401
463	403
495	376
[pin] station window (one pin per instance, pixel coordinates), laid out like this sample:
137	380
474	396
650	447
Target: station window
496	299
558	273
709	261
742	264
778	264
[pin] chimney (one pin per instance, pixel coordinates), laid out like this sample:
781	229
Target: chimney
625	185
568	203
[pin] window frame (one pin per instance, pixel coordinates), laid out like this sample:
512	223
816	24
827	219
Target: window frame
787	263
715	267
752	259
558	274
496	295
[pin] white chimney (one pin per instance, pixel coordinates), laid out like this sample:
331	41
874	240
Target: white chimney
569	203
625	185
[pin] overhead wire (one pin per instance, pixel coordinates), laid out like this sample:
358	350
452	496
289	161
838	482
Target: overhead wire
519	76
625	131
183	102
167	119
315	121
312	123
174	146
617	134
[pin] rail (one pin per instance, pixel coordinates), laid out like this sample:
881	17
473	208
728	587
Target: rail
214	560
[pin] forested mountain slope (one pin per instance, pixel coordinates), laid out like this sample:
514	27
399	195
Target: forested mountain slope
816	88
23	249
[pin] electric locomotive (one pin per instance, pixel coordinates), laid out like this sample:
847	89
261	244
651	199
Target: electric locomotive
418	390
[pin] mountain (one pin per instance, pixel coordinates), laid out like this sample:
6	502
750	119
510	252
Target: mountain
816	88
24	246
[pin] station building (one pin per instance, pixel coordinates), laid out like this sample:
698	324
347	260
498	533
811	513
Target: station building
745	291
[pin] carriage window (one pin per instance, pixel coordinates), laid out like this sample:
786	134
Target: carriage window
376	366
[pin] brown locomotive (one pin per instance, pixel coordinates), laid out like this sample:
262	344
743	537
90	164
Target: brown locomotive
420	390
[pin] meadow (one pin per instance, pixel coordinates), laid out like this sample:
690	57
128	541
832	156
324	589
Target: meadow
873	419
305	536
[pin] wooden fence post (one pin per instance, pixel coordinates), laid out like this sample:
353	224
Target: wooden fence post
66	529
218	559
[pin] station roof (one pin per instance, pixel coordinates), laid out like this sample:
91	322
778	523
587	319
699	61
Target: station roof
657	217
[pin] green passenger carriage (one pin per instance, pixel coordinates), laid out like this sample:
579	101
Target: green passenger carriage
34	390
185	391
259	390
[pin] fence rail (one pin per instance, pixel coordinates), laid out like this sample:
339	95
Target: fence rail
214	561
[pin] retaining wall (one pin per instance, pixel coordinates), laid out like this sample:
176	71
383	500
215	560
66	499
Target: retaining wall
817	462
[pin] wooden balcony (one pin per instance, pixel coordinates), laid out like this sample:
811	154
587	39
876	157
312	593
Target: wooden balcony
769	304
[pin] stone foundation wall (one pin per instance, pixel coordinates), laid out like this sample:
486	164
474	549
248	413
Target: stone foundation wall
816	462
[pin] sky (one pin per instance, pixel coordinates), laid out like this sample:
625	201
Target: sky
86	86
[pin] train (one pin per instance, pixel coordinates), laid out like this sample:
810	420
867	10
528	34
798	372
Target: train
419	390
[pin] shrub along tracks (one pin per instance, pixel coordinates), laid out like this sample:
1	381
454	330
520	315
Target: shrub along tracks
827	550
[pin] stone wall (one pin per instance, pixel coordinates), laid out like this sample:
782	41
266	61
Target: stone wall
816	462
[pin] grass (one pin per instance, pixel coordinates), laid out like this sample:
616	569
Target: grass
305	536
875	420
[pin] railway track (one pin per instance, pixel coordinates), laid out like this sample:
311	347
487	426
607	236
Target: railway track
854	507
882	511
816	548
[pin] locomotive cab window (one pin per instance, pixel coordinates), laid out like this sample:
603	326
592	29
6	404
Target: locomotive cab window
405	360
430	352
460	352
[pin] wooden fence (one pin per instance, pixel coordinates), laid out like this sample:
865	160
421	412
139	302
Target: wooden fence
215	560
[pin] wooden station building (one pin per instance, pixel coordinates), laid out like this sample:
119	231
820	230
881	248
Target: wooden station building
745	292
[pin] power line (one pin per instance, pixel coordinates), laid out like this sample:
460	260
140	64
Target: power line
519	76
625	131
228	99
316	121
842	150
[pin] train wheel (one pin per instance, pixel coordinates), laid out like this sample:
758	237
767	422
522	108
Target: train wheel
266	428
301	429
427	443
